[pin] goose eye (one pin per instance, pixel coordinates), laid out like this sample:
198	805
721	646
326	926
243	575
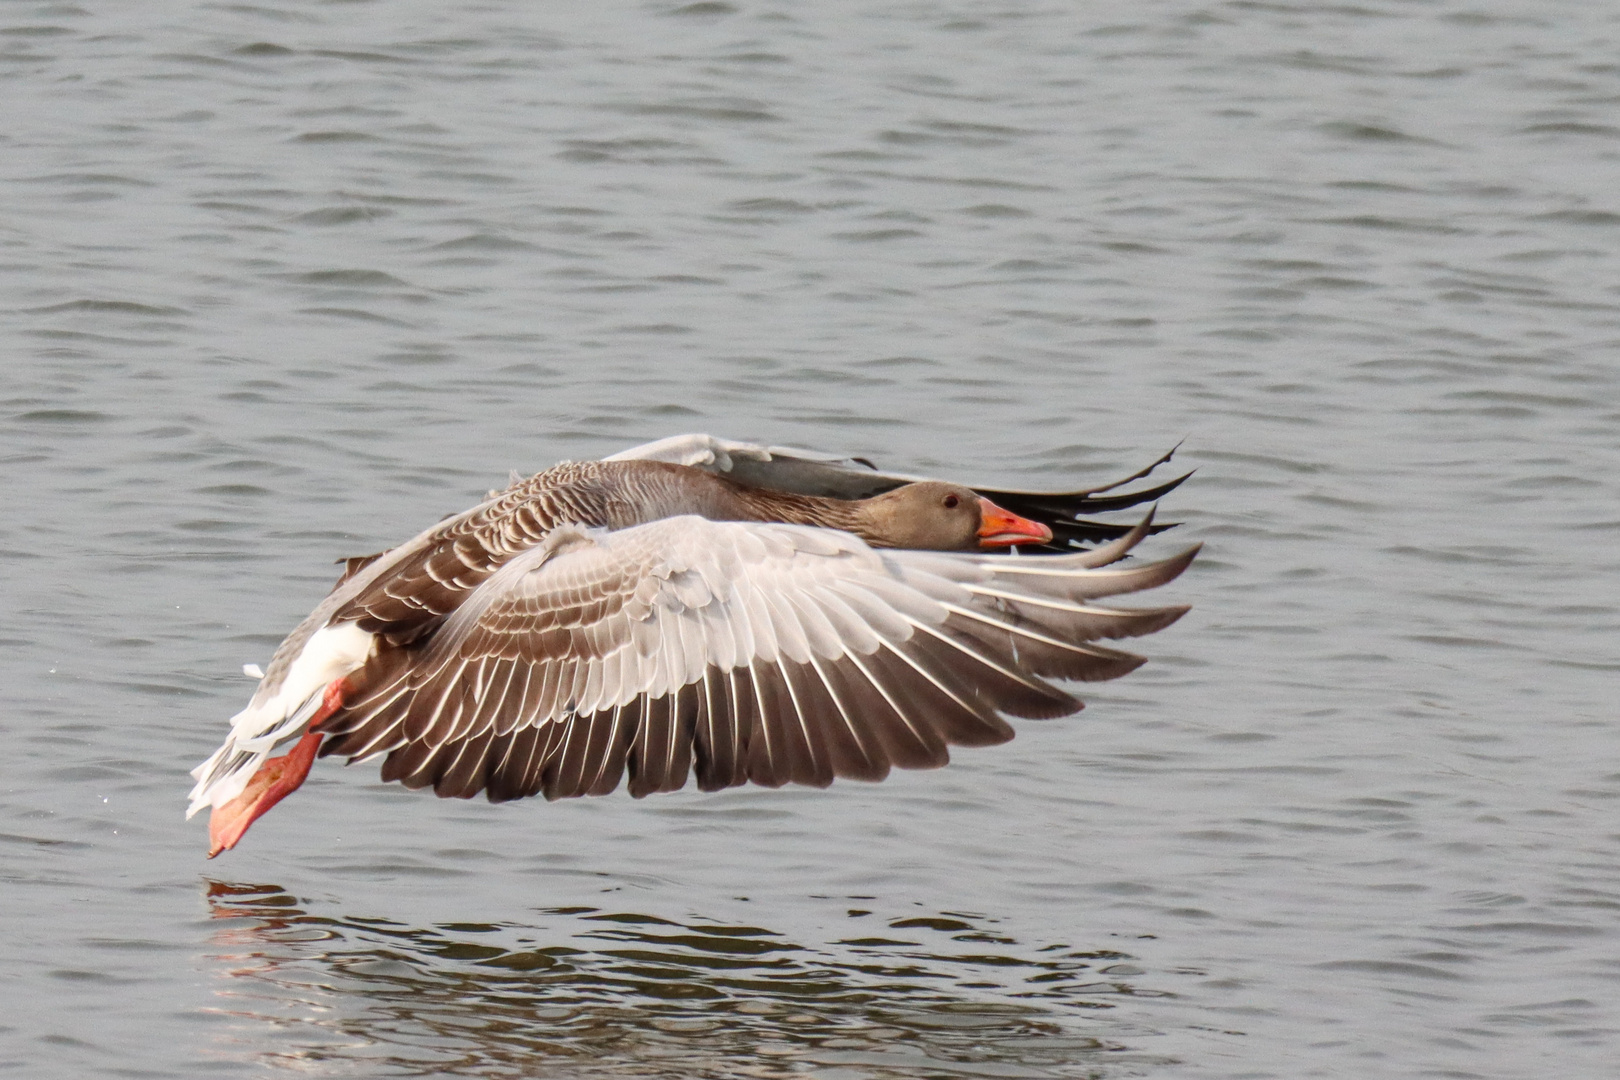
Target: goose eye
951	502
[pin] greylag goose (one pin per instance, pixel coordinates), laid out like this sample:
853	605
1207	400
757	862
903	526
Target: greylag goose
754	613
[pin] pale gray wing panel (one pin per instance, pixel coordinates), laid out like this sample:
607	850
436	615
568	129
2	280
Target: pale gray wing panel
766	653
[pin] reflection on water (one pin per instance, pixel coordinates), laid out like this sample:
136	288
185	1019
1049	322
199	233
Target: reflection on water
586	992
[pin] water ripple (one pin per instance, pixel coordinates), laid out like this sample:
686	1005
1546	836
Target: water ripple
624	994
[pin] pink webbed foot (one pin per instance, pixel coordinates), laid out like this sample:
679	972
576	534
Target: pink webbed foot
276	779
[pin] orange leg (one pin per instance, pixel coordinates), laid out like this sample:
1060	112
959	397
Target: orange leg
276	779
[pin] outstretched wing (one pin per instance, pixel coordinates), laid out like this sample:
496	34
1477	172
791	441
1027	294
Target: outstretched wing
763	653
810	472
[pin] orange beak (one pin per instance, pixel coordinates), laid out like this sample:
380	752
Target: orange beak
276	779
1000	528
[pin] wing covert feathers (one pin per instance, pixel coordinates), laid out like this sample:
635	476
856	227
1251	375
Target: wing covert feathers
743	653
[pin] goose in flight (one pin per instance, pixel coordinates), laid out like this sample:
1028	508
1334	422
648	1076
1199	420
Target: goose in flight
747	613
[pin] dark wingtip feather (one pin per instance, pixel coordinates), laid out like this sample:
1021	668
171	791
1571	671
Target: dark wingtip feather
1068	505
1093	504
1173	614
1061	510
1139	474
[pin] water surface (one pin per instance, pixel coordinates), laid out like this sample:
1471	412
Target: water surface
284	283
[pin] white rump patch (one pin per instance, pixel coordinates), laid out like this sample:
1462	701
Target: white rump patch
331	653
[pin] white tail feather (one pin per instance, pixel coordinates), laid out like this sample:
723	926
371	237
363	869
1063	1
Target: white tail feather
272	719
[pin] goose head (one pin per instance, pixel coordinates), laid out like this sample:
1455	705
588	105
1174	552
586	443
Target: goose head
943	517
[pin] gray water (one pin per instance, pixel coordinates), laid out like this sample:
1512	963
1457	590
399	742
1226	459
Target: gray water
284	283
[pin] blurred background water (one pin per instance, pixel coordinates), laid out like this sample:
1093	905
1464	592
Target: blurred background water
283	283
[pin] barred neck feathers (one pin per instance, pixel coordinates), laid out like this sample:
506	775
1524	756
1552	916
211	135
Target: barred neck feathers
623	494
